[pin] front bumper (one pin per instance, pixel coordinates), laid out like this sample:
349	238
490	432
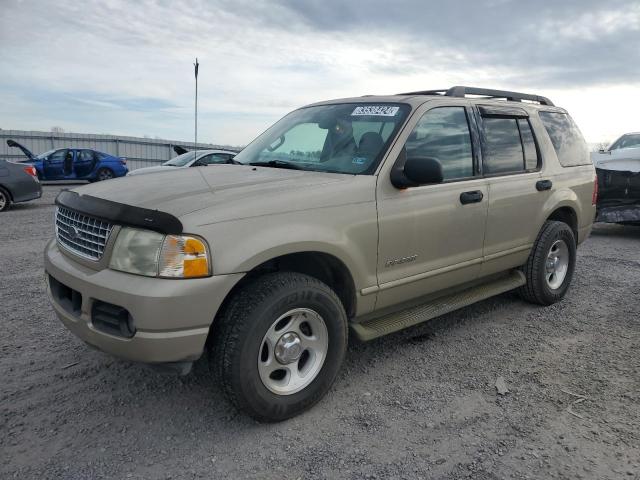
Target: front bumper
171	317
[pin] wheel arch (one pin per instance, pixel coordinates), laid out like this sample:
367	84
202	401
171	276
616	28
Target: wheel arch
323	266
8	190
568	215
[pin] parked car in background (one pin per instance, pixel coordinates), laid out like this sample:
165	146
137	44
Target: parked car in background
18	183
74	164
199	158
618	169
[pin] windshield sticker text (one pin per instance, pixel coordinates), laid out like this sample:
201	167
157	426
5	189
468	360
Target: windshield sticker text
376	110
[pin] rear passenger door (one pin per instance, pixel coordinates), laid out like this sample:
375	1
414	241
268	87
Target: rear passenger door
511	164
84	163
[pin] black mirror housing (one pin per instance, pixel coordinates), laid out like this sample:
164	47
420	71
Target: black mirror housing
414	171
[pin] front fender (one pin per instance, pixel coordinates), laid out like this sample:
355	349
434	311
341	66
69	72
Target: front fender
348	233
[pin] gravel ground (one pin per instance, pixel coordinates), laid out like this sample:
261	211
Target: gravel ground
418	404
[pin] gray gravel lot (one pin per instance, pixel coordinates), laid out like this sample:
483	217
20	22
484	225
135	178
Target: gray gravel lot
418	404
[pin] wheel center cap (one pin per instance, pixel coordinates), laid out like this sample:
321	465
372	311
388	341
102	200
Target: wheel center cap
288	349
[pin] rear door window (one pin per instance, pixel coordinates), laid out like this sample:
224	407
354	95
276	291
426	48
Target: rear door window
503	150
509	145
566	138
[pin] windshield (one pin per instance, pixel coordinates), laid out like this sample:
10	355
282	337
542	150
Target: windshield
45	154
342	138
180	160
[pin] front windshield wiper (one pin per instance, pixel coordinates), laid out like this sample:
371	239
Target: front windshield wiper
231	161
277	164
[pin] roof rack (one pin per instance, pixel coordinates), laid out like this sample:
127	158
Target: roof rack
462	92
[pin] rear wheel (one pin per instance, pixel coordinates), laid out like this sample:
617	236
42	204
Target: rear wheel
279	344
5	200
550	266
104	174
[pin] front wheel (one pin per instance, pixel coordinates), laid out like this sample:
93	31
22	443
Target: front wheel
279	345
104	174
550	266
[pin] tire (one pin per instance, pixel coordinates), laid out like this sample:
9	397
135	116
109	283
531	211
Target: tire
547	281
104	174
243	350
5	200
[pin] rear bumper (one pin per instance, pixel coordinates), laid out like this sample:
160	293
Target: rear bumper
29	189
619	214
171	318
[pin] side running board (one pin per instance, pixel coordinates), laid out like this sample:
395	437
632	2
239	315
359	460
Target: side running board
394	322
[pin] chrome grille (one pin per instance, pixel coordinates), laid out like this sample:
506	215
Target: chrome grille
80	234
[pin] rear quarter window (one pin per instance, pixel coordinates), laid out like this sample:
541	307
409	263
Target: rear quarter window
566	138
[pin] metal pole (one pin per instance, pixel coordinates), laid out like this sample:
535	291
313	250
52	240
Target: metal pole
196	65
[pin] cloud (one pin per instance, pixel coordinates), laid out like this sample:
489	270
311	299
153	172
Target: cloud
124	67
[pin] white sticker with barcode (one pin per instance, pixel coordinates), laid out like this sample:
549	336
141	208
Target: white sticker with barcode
376	110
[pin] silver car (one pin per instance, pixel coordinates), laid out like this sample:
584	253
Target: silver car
199	158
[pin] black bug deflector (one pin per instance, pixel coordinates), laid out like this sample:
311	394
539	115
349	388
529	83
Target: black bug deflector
618	196
119	213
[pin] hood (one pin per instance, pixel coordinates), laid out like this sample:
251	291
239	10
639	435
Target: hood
159	168
230	192
25	150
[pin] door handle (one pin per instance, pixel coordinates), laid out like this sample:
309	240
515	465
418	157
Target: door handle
542	185
471	197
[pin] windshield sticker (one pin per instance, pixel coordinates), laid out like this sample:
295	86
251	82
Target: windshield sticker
359	160
376	110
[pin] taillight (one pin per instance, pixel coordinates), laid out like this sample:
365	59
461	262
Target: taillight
594	197
31	170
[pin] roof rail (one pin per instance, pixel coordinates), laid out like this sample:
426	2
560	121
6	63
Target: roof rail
462	92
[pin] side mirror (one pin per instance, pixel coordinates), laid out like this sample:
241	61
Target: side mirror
414	171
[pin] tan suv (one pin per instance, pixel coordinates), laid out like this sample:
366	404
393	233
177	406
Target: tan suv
367	215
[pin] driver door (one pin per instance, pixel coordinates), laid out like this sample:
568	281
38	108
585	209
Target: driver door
431	236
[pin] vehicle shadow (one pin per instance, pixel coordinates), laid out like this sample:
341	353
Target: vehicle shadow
22	207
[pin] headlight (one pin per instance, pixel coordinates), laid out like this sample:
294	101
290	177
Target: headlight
152	254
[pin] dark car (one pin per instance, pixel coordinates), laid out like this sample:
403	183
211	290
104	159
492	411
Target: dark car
74	164
18	183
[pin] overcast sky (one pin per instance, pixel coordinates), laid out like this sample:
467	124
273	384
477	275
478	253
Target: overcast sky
126	67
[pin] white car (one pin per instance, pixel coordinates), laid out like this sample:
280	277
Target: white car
623	154
199	158
618	170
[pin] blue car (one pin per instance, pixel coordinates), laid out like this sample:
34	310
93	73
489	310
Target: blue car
74	164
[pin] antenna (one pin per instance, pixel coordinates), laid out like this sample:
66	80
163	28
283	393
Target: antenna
196	65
